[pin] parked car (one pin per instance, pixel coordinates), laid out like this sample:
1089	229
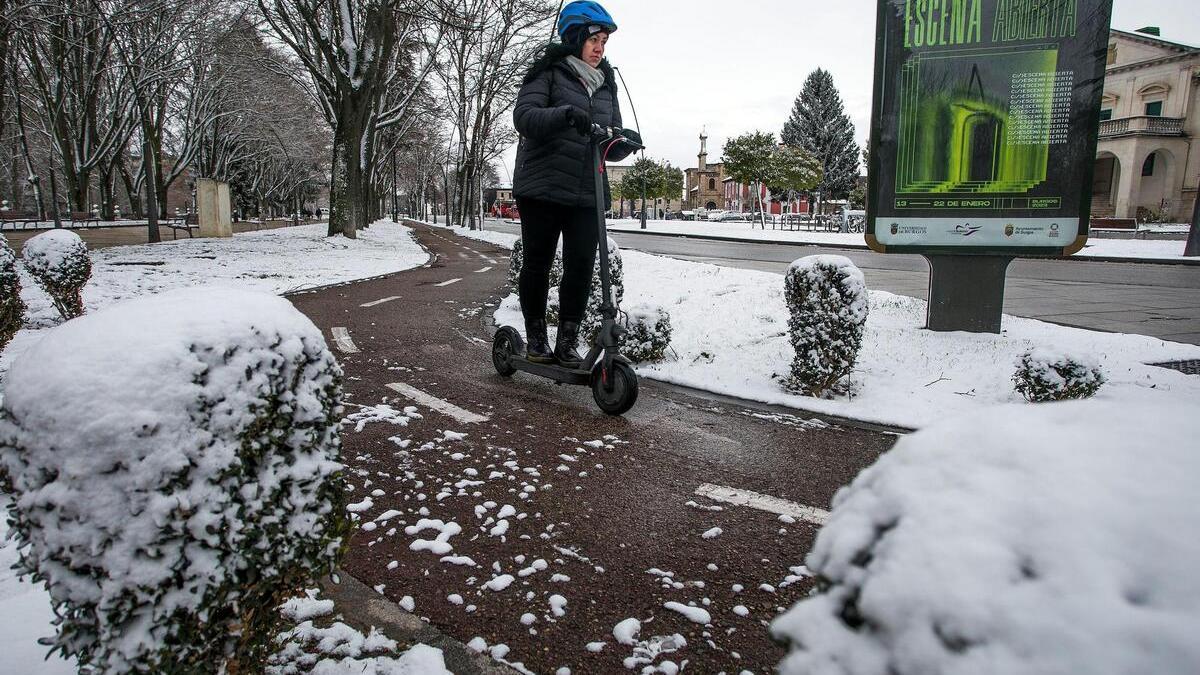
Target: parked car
714	215
733	217
687	215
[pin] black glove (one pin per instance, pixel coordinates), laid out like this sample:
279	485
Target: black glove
632	136
579	119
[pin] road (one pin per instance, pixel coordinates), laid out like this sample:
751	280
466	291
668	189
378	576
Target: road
1126	297
525	517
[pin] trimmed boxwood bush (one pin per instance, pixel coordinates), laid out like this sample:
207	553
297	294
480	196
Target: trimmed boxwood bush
1046	375
12	308
827	298
58	261
517	260
590	325
173	467
648	333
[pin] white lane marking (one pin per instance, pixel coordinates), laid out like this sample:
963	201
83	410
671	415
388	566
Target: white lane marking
341	338
464	256
483	270
447	283
380	301
721	493
444	407
487	259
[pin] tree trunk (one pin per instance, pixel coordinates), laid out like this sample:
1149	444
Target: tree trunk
107	195
151	163
347	197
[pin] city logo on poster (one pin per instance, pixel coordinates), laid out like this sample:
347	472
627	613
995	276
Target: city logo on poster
965	230
895	228
1053	230
1009	229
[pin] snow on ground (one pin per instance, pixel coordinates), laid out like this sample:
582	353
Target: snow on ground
1104	248
906	375
275	261
1052	538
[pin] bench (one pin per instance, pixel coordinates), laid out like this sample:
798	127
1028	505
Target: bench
10	216
84	217
185	223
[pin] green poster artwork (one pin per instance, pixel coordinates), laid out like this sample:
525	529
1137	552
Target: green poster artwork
984	124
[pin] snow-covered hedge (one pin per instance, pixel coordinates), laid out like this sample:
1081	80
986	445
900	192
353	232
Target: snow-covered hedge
517	260
648	333
12	308
1030	539
58	261
173	463
590	325
1046	375
827	298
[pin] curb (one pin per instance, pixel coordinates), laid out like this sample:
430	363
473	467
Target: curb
363	608
864	247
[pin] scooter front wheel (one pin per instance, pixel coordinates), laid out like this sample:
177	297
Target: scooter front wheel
505	345
616	391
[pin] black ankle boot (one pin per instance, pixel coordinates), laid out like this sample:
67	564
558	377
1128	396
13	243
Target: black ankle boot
538	347
564	346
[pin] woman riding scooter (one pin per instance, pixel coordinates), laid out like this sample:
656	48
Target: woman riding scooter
566	91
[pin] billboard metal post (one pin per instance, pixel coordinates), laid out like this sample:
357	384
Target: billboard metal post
1192	248
966	292
985	118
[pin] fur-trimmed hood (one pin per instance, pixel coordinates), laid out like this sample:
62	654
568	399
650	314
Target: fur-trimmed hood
554	54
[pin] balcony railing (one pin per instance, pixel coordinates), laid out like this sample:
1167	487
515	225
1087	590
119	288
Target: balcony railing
1144	125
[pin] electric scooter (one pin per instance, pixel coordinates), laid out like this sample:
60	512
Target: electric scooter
611	376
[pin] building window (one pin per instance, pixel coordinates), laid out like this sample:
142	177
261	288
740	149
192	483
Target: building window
1148	165
1106	114
712	183
1154	108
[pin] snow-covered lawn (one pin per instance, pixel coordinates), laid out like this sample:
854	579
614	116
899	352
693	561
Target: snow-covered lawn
1096	247
274	261
730	337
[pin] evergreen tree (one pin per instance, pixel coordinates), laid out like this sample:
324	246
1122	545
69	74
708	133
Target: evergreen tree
820	125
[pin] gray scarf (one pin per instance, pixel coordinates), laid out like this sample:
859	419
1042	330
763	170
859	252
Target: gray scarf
592	78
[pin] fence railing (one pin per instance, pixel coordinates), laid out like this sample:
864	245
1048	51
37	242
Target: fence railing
1143	124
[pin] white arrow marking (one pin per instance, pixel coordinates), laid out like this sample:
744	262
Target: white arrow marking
341	338
380	301
728	495
432	402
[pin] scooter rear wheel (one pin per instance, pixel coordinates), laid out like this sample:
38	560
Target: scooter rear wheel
624	391
505	346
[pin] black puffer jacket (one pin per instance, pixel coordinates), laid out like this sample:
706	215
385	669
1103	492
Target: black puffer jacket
554	162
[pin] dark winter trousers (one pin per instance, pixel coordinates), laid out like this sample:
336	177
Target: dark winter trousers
541	223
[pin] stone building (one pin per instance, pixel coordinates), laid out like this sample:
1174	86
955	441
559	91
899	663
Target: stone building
704	185
1148	155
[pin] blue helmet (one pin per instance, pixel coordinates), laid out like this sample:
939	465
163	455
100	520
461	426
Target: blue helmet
584	13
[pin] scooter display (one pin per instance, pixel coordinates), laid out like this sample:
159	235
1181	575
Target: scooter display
611	376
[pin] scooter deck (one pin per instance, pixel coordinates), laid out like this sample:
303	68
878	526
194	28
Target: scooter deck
553	371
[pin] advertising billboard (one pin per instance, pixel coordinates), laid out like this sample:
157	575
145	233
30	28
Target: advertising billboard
984	125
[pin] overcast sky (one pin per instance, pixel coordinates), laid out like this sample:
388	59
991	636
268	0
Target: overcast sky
734	66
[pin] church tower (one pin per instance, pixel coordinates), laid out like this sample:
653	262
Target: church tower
702	158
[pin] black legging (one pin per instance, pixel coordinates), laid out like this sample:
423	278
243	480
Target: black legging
541	223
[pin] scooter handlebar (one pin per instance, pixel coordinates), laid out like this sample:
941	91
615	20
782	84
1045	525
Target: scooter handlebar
602	133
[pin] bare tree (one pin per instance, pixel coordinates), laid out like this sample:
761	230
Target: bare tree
67	57
487	53
353	55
